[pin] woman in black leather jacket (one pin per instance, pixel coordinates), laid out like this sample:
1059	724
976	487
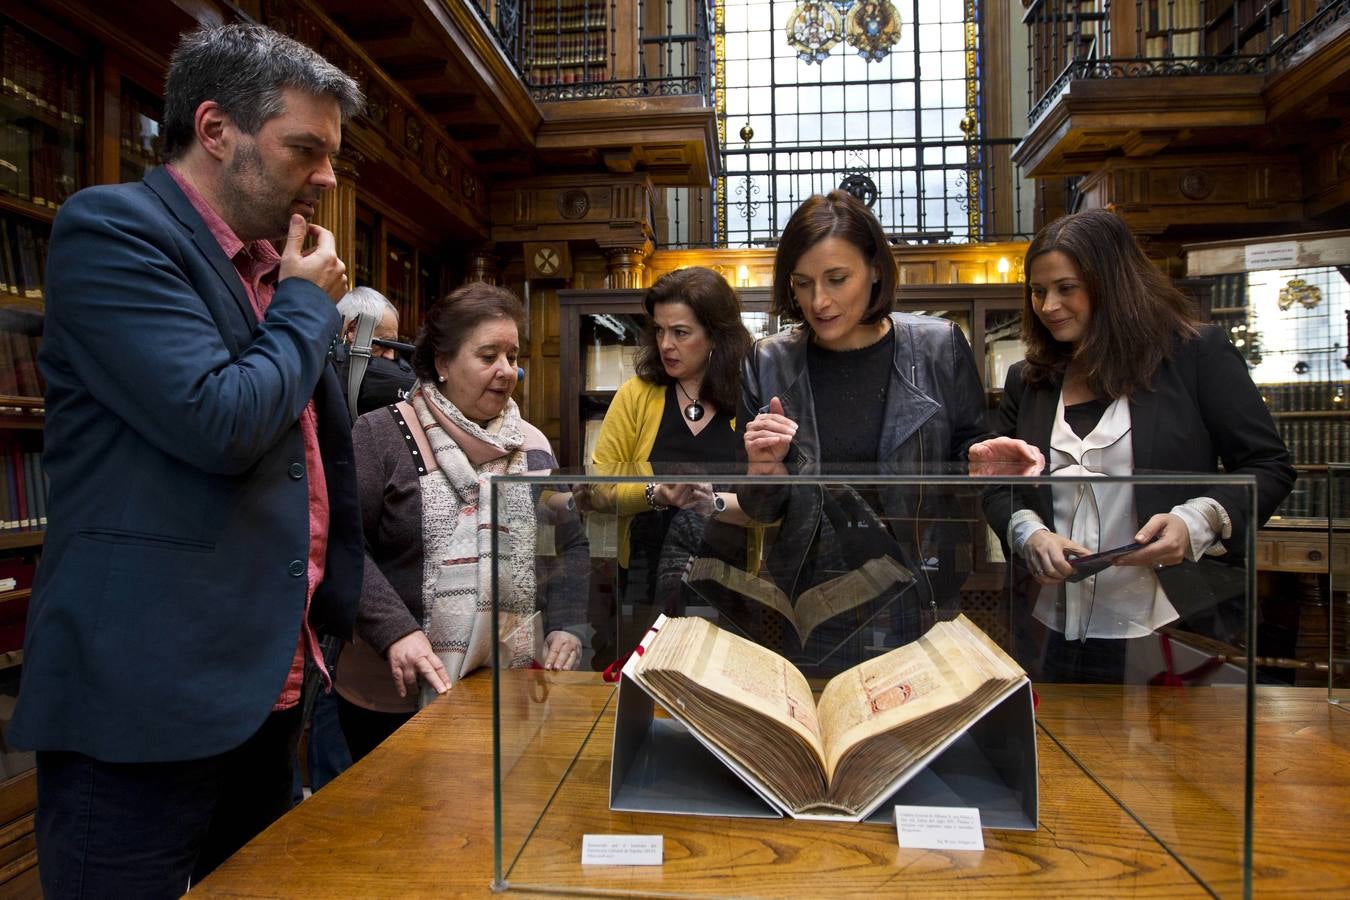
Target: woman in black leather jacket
855	388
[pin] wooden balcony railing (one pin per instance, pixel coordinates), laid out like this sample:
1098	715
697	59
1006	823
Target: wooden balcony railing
1077	39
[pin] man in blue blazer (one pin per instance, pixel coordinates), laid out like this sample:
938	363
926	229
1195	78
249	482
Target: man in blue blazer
204	527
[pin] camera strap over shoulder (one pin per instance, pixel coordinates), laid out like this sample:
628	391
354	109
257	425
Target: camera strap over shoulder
359	359
414	437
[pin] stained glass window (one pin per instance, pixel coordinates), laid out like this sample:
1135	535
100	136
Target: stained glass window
899	129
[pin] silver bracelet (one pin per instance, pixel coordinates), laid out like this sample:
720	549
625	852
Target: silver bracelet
651	497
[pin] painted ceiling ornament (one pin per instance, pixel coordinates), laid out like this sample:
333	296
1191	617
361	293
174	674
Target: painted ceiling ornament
843	6
873	28
813	29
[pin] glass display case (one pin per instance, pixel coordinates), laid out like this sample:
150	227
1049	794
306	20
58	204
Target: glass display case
1338	587
1139	673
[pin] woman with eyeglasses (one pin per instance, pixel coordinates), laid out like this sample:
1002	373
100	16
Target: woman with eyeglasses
1120	379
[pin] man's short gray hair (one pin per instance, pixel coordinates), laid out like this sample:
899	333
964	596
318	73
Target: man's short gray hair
245	68
365	300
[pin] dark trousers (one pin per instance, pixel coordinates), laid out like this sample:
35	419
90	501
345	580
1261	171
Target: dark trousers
365	729
144	829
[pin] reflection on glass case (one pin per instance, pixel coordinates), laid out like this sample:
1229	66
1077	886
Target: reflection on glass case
821	609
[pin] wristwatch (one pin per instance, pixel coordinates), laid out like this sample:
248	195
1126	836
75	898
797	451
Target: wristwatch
719	505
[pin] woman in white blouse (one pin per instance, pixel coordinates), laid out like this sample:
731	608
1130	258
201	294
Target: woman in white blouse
1119	379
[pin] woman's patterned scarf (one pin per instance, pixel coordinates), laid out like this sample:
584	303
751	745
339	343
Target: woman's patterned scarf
457	532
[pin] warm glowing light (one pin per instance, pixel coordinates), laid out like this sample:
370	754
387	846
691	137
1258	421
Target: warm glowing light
743	276
1004	267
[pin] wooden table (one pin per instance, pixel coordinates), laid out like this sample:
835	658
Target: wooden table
415	817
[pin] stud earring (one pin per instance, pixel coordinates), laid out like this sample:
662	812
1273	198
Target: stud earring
440	378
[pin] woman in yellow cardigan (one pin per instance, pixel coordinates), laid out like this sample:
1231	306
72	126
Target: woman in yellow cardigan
675	415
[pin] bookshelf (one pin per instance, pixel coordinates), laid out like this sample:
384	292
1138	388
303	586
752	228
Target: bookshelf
46	111
1289	326
139	146
401	261
568	41
43	114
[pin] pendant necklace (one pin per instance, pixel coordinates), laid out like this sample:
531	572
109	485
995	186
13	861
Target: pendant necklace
694	411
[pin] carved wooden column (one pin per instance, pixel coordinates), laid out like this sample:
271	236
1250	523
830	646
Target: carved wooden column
337	210
626	265
483	265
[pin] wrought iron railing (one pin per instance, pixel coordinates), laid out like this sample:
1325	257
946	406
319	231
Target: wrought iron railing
1068	40
764	187
587	49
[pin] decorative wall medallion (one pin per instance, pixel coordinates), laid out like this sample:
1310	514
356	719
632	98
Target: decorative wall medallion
574	204
861	186
377	106
813	29
1299	291
873	28
468	186
1196	185
546	260
412	135
442	161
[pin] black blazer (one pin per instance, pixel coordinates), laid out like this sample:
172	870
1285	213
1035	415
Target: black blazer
1200	409
166	610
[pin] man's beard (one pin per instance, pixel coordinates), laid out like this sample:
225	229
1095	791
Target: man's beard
253	201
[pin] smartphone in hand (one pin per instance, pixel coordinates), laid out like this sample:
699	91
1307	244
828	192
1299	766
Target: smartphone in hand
1083	566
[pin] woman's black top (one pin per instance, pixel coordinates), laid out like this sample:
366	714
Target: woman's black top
1083	417
675	443
661	542
850	387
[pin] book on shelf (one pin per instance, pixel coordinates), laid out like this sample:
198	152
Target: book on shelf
16	486
717	581
23	348
9	383
28	473
8	260
841	756
8	517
